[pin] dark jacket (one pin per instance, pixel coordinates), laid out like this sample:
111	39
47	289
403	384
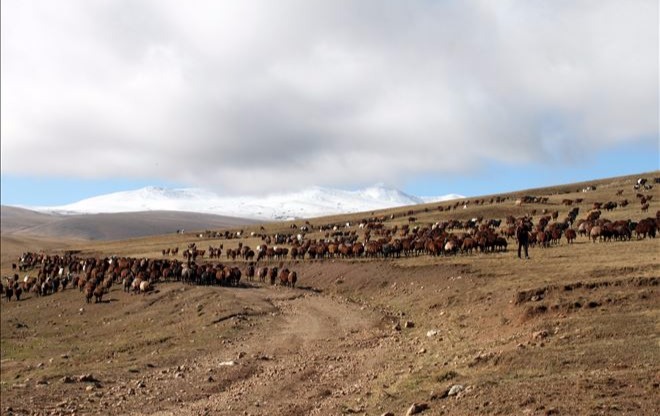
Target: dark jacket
522	233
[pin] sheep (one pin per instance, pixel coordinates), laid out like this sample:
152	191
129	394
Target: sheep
136	284
570	235
145	286
127	282
89	291
284	277
98	293
81	283
273	274
263	272
9	292
250	272
293	278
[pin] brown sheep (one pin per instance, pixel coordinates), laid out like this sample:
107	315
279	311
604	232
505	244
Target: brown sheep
234	276
501	243
468	245
82	282
543	238
284	277
293	278
220	276
273	275
98	293
593	215
127	282
263	272
89	291
294	252
570	235
249	272
357	249
646	227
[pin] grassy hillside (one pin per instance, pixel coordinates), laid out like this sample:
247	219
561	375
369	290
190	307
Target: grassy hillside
112	226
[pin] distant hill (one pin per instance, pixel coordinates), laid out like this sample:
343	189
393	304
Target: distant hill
110	226
308	203
14	219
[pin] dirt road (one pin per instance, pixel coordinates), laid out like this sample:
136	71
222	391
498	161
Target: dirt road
313	354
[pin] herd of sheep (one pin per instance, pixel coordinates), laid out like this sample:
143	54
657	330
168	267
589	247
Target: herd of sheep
371	238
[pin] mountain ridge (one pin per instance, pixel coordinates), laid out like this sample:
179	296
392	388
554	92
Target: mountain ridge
308	203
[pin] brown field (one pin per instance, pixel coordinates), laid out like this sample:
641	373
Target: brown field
575	330
110	226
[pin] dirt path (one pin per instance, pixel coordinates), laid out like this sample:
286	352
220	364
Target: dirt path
315	355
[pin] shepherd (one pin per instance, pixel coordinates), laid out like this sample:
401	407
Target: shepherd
522	235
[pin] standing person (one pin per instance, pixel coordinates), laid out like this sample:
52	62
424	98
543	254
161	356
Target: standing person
522	235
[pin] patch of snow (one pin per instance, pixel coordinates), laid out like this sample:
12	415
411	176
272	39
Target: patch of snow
308	203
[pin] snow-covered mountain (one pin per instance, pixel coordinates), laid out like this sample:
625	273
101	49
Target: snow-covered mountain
309	203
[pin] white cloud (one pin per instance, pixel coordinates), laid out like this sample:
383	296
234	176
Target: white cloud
255	95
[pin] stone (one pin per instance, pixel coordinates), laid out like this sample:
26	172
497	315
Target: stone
416	408
455	389
540	334
87	378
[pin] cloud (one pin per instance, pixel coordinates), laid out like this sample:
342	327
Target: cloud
258	95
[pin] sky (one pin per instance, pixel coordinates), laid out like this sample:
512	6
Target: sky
253	97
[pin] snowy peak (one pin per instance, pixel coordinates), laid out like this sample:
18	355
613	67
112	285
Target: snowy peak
385	194
308	203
